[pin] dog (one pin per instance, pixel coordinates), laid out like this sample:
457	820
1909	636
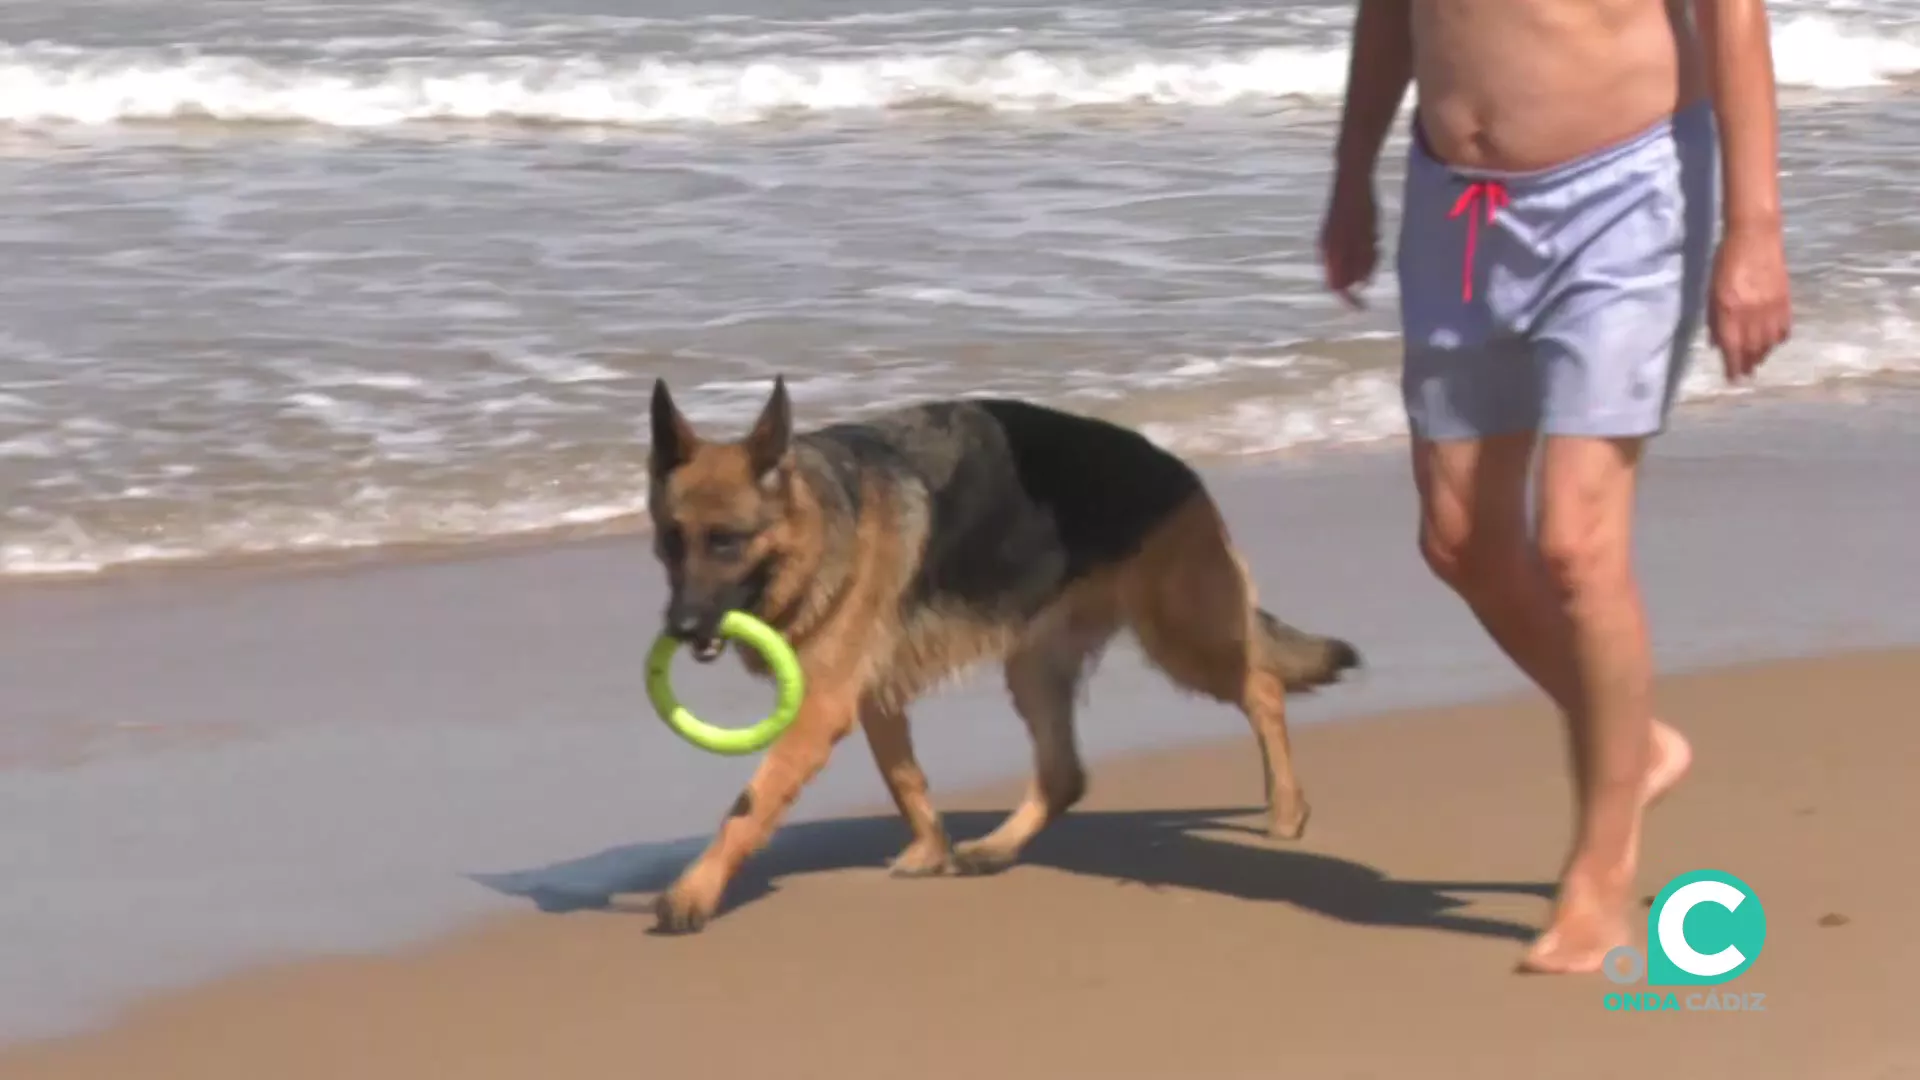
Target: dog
898	551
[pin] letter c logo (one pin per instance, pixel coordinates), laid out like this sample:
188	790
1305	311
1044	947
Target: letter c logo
1673	932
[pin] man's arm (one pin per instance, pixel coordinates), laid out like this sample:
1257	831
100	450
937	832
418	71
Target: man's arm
1736	39
1750	312
1379	69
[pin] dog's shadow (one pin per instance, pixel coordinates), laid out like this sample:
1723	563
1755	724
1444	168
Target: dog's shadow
1152	848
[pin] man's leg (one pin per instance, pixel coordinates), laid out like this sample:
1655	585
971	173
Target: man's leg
1474	536
1607	280
1623	757
1567	612
1610	343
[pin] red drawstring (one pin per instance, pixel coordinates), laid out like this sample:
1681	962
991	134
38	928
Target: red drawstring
1494	194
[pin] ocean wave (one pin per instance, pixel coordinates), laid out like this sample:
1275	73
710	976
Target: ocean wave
50	84
1819	53
1365	406
69	548
1205	408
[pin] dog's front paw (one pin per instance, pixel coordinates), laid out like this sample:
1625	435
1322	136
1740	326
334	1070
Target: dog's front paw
983	856
684	909
922	859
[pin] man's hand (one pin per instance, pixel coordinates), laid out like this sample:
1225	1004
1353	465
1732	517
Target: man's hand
1379	70
1749	312
1350	239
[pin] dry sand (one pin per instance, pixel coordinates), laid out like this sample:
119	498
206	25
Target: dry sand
1152	934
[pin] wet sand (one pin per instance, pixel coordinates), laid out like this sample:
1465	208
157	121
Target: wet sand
209	776
1153	934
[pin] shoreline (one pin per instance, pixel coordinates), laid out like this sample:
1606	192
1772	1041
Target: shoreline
1725	417
249	567
1407	879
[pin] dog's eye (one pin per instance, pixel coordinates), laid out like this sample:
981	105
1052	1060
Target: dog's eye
727	543
673	542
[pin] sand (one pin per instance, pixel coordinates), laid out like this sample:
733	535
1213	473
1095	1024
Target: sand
1153	935
257	823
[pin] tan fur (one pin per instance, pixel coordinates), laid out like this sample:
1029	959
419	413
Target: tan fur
1185	595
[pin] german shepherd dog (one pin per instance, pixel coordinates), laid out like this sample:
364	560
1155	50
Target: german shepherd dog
895	552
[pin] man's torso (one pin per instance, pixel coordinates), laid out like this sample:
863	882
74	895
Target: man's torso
1527	84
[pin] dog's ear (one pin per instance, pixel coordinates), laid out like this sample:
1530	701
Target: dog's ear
673	438
768	441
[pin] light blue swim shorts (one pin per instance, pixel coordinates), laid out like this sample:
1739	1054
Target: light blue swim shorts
1563	301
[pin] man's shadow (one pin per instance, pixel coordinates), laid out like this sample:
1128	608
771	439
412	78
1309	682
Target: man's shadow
1151	848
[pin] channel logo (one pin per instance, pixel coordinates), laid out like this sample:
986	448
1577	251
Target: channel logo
1705	929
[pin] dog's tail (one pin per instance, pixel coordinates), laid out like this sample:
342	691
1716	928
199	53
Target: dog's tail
1304	661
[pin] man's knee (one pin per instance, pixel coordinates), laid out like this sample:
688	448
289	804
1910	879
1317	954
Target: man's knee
1585	550
1471	562
1445	553
1473	501
1586	506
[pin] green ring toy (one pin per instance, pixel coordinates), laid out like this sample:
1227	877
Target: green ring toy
743	628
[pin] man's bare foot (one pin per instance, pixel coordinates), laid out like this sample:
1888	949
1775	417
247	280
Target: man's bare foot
1574	945
1590	918
1589	921
1672	757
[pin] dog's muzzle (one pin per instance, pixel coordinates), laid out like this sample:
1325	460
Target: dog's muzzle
700	635
694	617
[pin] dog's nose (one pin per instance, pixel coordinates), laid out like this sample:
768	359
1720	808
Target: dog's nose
683	623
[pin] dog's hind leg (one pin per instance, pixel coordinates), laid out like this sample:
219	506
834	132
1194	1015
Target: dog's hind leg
1193	608
891	741
1043	675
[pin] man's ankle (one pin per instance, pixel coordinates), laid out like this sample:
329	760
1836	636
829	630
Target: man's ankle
1600	880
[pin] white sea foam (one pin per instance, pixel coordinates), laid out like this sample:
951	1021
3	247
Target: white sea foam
1365	406
1820	53
40	86
373	518
1197	406
44	84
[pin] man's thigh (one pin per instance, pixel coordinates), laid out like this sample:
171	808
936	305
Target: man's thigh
1585	503
1612	358
1617	318
1473	494
1465	374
